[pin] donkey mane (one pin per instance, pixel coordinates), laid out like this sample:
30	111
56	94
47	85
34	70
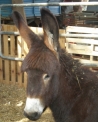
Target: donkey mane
78	76
72	68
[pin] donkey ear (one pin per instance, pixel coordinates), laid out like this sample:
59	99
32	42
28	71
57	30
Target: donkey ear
24	31
51	30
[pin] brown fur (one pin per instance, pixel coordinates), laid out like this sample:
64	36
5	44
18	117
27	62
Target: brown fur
70	90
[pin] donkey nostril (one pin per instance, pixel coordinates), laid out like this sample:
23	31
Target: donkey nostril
32	116
35	114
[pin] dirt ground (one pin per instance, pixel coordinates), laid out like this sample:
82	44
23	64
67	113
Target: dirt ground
12	102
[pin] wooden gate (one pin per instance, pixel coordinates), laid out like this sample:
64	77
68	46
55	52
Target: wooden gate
10	71
83	48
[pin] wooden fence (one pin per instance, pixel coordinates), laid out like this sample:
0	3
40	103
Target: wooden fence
83	48
15	46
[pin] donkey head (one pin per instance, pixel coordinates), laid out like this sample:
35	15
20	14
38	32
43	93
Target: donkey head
41	63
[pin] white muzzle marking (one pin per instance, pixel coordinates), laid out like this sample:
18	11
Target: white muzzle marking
33	105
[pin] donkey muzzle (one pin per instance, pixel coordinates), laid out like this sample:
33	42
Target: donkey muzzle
33	108
32	116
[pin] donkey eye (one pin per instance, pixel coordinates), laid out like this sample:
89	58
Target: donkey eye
46	77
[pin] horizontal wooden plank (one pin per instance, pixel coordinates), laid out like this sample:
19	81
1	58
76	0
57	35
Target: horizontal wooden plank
83	52
93	53
84	61
82	29
78	52
83	48
82	41
37	30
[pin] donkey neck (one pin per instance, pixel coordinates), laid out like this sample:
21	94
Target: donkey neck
71	83
67	95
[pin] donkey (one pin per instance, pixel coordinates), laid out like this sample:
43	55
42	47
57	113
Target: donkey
55	79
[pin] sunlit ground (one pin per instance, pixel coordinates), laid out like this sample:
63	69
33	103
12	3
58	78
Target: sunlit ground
12	102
